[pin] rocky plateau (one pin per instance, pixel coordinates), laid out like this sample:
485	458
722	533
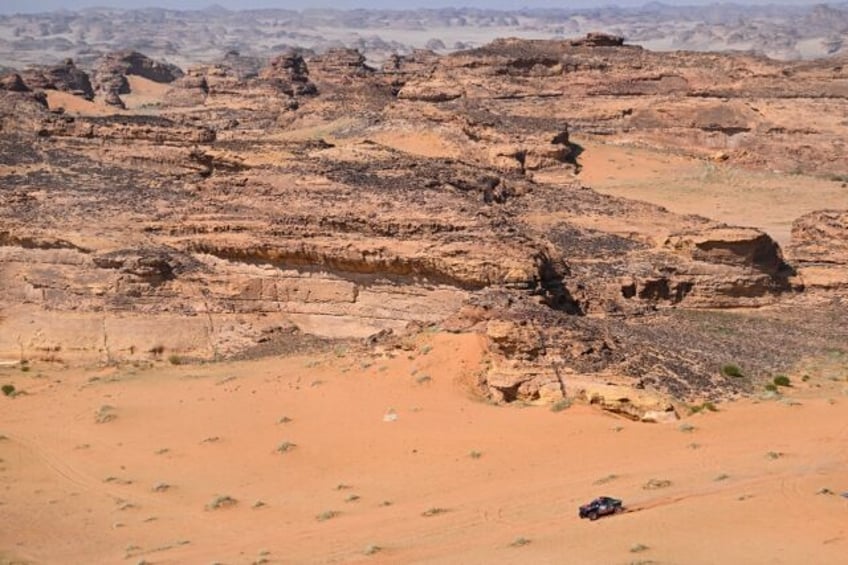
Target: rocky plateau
236	205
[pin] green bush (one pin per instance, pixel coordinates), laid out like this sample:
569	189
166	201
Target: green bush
731	370
782	380
8	390
560	405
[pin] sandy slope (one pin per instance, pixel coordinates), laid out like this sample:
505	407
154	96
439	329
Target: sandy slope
76	491
720	191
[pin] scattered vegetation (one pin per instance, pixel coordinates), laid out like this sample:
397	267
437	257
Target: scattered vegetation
774	455
175	359
161	487
722	477
8	390
703	407
475	454
731	370
327	515
352	498
782	380
222	501
423	379
104	414
435	511
655	484
608	479
639	548
284	420
286	446
560	405
686	427
771	387
372	549
519	542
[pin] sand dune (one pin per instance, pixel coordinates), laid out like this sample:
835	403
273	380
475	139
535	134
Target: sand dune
387	458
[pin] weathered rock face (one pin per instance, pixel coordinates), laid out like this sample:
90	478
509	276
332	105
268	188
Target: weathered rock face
66	77
820	248
697	102
252	201
597	39
110	80
13	83
339	64
400	68
288	72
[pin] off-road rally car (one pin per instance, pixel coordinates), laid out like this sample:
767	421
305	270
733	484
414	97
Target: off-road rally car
601	506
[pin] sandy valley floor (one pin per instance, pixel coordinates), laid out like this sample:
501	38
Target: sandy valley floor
388	458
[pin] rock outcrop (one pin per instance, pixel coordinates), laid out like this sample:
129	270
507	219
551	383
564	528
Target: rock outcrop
320	193
820	248
288	73
110	79
66	77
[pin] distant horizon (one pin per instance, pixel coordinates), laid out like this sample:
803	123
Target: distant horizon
9	7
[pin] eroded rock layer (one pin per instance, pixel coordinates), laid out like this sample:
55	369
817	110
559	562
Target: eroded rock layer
350	202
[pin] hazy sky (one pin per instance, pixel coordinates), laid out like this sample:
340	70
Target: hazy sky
13	6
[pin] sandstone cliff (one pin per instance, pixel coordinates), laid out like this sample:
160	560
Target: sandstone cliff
352	202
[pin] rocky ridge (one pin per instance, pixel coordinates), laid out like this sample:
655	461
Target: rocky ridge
301	193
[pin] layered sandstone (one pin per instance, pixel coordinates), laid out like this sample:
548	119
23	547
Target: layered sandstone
349	202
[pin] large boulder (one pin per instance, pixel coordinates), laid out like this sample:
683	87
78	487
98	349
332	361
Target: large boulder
735	246
111	77
820	248
289	74
66	77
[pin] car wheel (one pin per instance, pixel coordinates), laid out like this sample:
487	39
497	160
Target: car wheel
619	509
593	516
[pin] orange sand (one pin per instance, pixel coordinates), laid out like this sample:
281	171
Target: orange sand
76	491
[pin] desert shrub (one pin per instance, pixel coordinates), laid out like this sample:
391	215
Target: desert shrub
519	542
326	515
731	370
435	511
286	446
560	405
8	390
706	406
638	548
655	484
771	387
222	501
782	380
175	359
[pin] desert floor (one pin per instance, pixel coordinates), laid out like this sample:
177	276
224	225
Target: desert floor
387	457
768	200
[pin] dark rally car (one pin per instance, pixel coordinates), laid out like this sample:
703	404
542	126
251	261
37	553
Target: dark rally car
601	506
